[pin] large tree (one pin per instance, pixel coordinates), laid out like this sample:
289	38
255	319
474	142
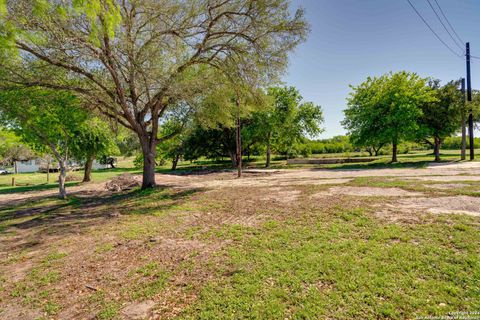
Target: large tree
136	59
387	108
442	117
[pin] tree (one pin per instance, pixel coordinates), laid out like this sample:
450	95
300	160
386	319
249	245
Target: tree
134	60
93	140
213	143
441	117
12	149
286	122
387	108
45	120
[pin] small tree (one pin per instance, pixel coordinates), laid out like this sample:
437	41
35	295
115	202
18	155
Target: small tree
93	140
286	122
12	149
46	120
387	108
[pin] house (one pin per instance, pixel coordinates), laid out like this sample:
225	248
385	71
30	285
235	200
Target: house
40	165
24	166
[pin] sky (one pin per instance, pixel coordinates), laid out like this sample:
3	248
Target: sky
353	39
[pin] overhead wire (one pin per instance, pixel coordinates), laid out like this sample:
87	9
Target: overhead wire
433	31
444	26
448	21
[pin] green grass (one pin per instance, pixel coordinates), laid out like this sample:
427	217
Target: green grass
322	259
107	308
344	264
35	289
38	181
151	280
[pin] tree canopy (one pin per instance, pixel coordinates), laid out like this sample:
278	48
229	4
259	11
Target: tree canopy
134	60
47	120
441	117
386	109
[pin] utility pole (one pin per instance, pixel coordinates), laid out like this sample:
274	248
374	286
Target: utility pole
464	128
238	139
469	100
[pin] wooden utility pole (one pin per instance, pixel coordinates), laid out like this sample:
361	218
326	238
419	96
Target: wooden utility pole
469	100
239	139
464	128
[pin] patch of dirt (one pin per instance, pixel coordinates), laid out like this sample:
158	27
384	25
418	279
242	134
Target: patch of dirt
138	310
446	186
455	205
16	311
445	178
367	192
279	180
284	196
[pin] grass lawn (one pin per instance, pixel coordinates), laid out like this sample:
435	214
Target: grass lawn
38	181
239	253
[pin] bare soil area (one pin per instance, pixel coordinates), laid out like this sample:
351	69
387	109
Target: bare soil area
454	205
465	171
367	192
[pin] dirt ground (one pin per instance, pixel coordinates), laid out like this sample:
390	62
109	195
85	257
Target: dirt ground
465	171
99	225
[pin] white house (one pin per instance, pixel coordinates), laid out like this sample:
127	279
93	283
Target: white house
36	165
27	165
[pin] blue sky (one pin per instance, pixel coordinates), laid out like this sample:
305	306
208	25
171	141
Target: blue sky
353	39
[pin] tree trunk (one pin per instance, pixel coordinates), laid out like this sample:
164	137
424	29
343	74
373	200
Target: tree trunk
233	158
112	163
464	137
394	152
48	171
87	175
149	152
269	151
61	179
436	148
15	167
370	151
377	150
175	162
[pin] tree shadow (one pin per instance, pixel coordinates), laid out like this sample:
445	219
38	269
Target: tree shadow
36	187
83	211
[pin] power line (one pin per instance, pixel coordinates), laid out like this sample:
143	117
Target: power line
444	26
446	19
433	31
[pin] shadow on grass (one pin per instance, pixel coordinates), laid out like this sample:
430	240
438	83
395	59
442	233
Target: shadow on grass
37	187
4	189
41	222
